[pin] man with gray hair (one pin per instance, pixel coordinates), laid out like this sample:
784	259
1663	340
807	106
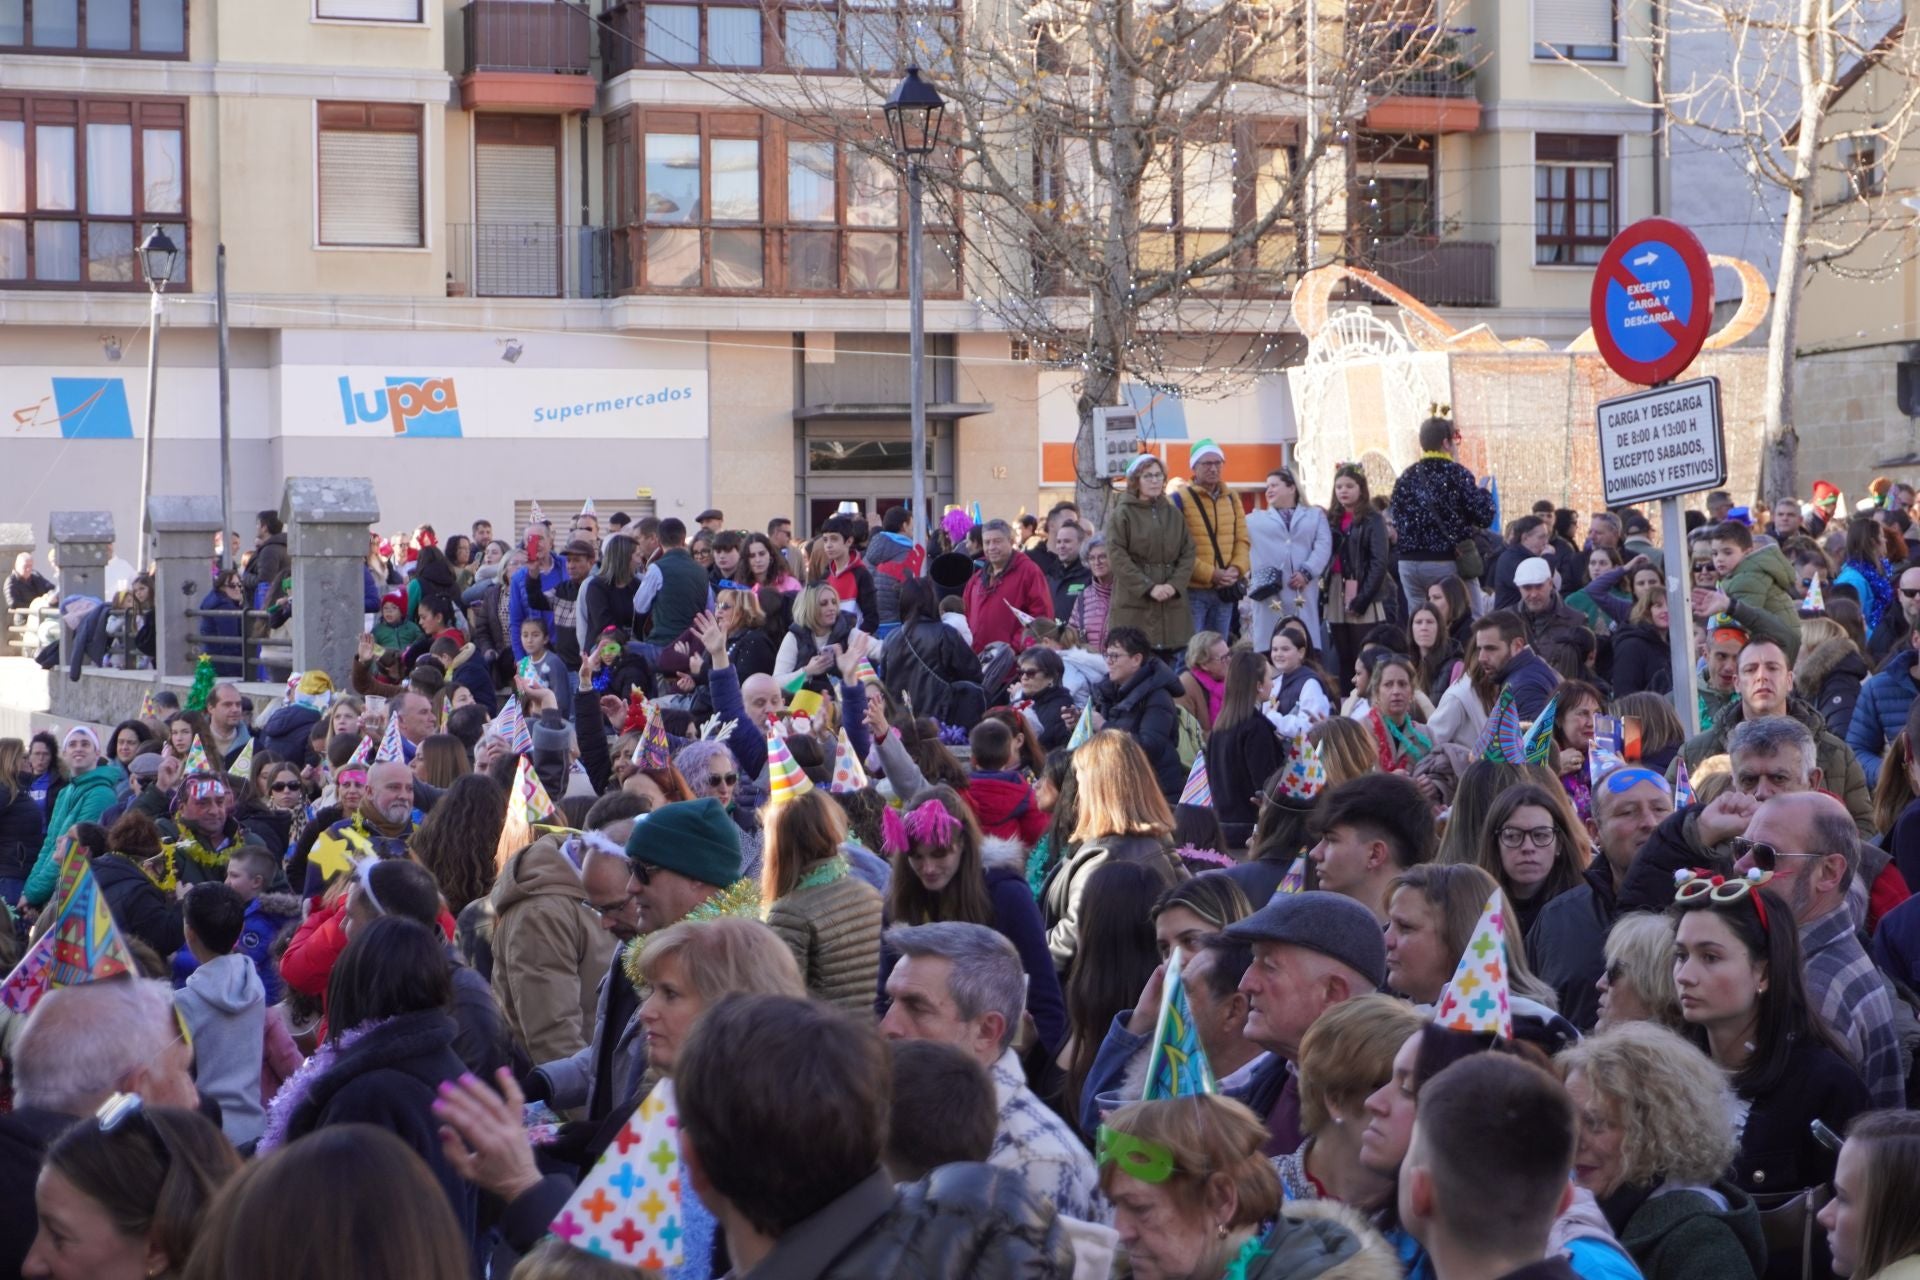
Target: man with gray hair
1764	688
1807	841
1009	584
80	1046
962	984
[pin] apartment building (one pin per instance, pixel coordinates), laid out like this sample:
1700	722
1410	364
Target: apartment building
501	251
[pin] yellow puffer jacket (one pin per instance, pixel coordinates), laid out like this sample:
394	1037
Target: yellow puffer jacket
1229	526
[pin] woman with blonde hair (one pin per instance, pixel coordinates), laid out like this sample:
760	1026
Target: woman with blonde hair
1871	1227
1654	1140
1431	911
1192	1195
1637	984
1346	749
829	918
1123	818
1829	671
1347	1054
819	624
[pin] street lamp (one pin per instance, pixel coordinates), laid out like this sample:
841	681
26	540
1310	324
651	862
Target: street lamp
157	258
913	119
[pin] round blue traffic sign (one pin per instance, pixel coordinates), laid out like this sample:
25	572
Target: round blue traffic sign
1652	301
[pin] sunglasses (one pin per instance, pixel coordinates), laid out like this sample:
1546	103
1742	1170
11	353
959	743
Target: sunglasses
1764	855
642	872
1615	972
722	779
1029	673
1910	593
286	786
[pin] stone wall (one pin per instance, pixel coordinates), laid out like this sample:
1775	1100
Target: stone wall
1851	427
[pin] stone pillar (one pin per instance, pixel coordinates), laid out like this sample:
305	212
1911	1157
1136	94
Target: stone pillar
183	529
82	543
327	519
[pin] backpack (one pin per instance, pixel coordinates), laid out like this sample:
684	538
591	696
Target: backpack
1192	737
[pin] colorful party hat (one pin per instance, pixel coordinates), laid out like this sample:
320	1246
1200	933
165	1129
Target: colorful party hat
1816	601
83	945
147	710
1682	785
786	780
586	509
535	515
1501	738
1477	998
627	1208
653	750
533	797
1304	776
196	759
1198	792
242	764
977	519
1177	1063
864	673
446	713
1295	881
1082	729
529	674
511	724
848	774
361	752
1024	618
391	750
1537	746
806	703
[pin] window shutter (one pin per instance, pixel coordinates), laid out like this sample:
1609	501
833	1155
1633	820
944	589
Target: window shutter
371	10
370	189
1567	23
517	242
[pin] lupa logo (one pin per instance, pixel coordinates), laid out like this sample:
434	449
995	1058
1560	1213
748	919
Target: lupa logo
412	406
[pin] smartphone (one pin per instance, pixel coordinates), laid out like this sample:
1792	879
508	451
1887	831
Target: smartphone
1825	1136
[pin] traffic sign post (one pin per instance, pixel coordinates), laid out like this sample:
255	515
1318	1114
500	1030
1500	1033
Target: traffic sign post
1651	306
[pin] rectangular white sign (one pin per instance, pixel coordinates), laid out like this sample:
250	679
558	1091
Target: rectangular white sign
1662	442
1116	434
417	402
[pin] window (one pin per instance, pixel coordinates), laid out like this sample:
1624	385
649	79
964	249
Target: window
1859	158
671	35
112	28
731	201
1573	198
877	36
80	182
369	10
1581	29
369	175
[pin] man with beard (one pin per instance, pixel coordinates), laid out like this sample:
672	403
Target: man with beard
201	832
380	828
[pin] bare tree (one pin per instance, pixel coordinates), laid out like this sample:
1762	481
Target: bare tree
1819	98
1137	183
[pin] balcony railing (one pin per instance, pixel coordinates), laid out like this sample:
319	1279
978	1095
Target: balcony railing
1440	273
528	35
526	260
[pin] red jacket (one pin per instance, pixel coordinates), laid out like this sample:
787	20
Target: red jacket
990	605
315	947
1005	806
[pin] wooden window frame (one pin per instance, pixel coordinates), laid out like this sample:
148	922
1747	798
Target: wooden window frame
627	21
1544	52
625	199
142	113
1571	152
80	49
370	117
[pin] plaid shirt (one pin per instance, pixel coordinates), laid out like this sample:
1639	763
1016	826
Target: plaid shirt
1848	992
1036	1142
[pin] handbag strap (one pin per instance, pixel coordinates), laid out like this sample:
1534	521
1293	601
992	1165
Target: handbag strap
1206	520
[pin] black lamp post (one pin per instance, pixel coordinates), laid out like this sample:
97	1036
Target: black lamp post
913	119
158	256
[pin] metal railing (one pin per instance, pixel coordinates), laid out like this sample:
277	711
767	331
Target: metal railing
262	657
527	260
528	35
113	646
1441	273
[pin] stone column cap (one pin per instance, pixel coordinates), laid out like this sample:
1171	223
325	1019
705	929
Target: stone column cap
329	500
184	513
80	526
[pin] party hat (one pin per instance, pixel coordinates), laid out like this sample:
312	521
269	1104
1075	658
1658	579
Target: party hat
1501	739
529	674
848	775
1305	774
243	763
517	832
361	752
1197	791
1537	746
1022	616
533	797
83	945
1177	1063
586	509
1816	601
627	1208
1082	729
977	519
1493	491
338	850
147	710
806	703
1295	881
391	749
196	759
786	780
1477	998
864	673
1682	785
653	751
511	724
446	713
535	515
794	684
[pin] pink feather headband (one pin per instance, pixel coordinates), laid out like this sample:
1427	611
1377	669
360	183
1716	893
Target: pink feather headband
930	823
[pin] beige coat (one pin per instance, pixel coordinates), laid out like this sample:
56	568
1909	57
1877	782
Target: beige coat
549	952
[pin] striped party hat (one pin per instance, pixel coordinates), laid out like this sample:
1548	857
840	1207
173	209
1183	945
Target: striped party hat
786	780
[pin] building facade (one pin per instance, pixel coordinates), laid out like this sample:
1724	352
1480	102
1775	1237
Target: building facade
500	251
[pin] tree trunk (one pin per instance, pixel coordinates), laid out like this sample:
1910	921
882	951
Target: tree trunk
1814	54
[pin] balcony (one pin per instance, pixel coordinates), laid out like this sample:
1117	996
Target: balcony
1440	273
526	55
1427	86
527	260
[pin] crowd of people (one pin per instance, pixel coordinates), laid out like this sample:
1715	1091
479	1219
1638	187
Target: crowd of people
714	903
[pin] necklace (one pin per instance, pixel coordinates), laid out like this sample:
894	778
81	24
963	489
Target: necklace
834	868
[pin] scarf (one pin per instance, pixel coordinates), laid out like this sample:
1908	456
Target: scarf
297	1086
1214	689
1401	745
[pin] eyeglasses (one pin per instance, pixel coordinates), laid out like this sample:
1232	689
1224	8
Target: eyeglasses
1114	655
1764	855
641	871
286	786
1030	673
1615	972
1538	837
1910	593
723	779
603	910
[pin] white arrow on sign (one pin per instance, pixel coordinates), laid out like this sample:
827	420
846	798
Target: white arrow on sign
1646	259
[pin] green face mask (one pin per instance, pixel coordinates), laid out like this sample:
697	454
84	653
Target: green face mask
1137	1157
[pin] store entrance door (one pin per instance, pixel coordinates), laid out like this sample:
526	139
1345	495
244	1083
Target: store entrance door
873	507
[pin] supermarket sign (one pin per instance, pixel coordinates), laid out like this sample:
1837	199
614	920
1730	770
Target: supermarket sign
364	403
